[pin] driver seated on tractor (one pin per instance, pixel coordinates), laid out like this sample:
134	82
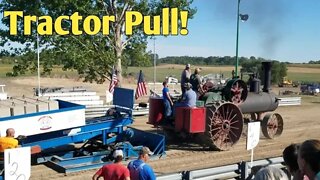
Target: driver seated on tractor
189	98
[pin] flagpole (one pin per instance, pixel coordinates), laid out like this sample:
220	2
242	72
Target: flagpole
137	89
139	76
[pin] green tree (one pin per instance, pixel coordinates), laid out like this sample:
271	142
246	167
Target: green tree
137	56
283	70
91	56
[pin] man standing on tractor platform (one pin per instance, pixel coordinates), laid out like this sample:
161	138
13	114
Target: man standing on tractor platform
114	171
185	78
139	170
167	101
195	81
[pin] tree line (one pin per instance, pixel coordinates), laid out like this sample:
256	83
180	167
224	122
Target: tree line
248	65
215	60
139	59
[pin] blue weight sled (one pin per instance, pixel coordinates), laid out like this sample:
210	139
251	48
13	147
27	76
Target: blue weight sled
96	140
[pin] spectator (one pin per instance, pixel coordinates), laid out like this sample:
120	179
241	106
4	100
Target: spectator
167	101
139	170
271	173
195	81
185	77
290	157
114	171
9	141
309	159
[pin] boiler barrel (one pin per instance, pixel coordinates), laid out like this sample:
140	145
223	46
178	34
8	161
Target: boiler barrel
156	109
261	102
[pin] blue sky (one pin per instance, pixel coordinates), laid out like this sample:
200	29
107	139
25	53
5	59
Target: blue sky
285	30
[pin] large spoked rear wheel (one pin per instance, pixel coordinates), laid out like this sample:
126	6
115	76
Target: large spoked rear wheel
272	125
224	125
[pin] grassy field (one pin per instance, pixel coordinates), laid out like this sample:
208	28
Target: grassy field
305	65
304	77
4	68
309	72
56	72
300	72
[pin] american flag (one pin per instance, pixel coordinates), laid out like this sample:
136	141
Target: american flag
141	87
113	81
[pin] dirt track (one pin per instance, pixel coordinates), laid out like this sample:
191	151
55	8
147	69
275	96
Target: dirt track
301	122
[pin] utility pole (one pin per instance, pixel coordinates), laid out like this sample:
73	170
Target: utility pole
237	41
38	59
243	17
154	63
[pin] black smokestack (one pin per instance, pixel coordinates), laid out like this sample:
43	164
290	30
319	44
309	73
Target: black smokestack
266	67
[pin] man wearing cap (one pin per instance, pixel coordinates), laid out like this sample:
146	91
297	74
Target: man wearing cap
189	98
185	77
195	81
139	170
114	171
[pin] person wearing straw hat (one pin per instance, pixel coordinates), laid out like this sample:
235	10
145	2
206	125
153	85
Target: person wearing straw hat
195	81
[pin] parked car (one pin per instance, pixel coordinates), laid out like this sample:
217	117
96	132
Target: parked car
310	88
172	80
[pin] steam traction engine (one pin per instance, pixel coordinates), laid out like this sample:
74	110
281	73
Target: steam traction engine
219	119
